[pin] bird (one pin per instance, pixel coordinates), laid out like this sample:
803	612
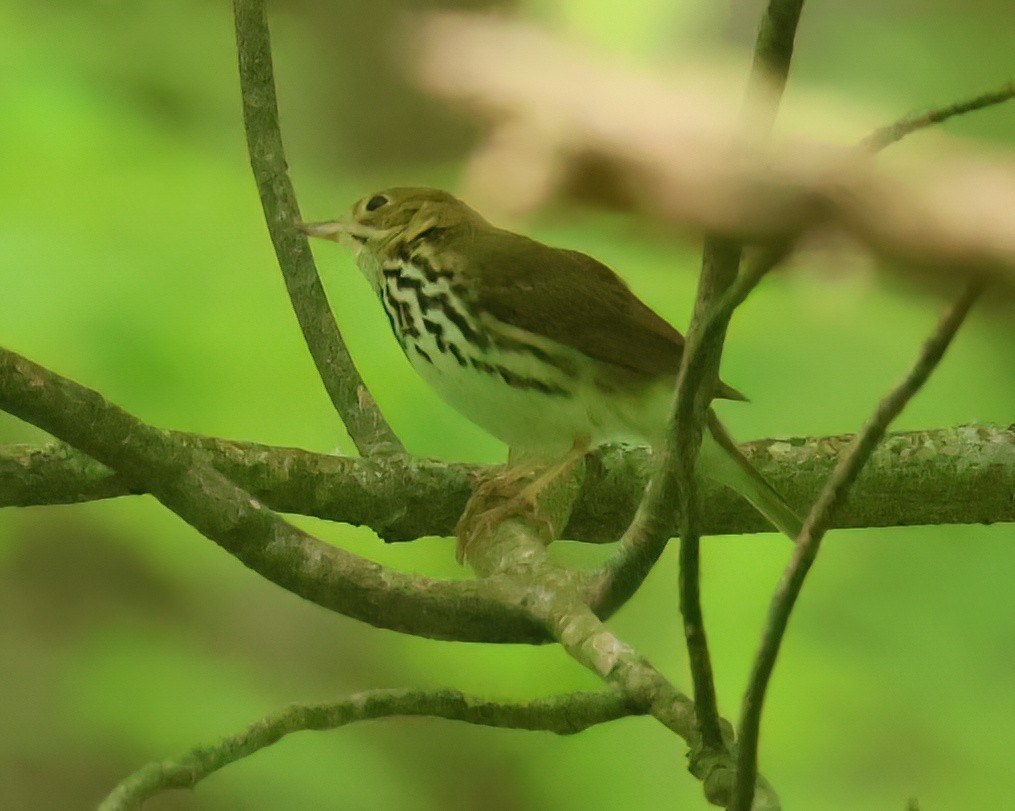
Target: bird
545	348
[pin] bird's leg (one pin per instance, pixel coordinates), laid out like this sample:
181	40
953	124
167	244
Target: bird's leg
479	518
531	492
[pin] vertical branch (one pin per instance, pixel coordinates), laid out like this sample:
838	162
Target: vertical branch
345	387
699	369
773	50
816	524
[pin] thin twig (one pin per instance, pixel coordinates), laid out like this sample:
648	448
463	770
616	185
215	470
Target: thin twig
353	402
816	524
563	715
884	136
699	369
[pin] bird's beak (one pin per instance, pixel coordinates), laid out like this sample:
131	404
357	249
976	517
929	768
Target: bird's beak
325	230
336	229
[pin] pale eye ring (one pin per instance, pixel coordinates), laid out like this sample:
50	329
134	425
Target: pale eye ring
376	202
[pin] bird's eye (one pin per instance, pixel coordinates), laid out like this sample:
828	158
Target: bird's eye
376	202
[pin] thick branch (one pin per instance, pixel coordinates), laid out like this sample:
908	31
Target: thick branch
563	715
345	387
962	475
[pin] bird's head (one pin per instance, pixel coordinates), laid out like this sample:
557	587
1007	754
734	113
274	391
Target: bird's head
395	217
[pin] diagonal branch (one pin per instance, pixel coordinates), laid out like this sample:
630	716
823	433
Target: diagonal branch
815	526
514	552
563	714
345	387
180	478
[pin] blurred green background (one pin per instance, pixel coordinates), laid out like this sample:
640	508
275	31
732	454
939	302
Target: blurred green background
133	258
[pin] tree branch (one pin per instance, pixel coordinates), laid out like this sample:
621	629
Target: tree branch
816	524
179	477
624	573
514	553
364	421
563	715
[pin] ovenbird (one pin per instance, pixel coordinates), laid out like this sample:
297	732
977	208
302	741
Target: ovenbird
547	349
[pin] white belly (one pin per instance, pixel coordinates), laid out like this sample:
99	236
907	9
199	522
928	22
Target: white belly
523	416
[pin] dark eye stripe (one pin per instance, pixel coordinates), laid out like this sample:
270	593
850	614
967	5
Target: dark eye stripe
376	202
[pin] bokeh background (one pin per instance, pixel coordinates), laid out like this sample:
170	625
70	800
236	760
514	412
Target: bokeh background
133	258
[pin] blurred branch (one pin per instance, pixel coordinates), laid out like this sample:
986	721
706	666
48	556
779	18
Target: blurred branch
345	387
768	258
563	715
961	475
670	149
818	520
773	51
180	478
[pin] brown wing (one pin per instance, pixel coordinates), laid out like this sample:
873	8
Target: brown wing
574	299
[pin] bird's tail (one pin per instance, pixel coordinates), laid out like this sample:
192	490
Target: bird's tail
722	460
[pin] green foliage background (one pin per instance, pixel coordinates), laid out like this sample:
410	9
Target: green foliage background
133	258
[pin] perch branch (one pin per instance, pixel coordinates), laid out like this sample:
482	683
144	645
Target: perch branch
960	475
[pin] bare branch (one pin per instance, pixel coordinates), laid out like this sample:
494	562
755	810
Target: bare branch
179	477
345	387
564	715
773	51
816	524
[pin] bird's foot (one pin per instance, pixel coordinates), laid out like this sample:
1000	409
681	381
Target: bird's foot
515	492
504	496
